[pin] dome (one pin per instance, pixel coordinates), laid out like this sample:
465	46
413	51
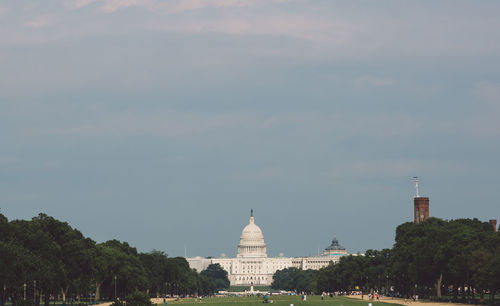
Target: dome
252	241
335	249
335	245
252	234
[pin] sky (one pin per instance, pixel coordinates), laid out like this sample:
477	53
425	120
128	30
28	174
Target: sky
163	122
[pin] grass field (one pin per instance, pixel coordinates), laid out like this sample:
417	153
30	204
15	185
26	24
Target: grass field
279	301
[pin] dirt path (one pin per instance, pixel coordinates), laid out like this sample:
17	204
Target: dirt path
154	301
405	302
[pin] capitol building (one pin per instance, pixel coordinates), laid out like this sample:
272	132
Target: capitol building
252	266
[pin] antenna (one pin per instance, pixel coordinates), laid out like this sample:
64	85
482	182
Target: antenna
185	251
416	186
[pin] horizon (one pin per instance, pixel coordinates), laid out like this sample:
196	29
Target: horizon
186	255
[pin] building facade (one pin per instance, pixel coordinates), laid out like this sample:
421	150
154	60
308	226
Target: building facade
252	266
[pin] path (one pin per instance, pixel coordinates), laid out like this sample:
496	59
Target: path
404	302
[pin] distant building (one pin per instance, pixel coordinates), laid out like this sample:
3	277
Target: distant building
421	206
252	266
493	223
335	249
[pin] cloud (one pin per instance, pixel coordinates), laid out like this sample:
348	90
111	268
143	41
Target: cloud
191	5
167	123
267	172
327	27
489	92
483	122
41	21
4	160
76	4
368	81
396	168
311	126
173	6
111	6
235	17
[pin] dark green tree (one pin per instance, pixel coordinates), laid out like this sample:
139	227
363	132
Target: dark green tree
155	263
206	285
218	275
124	269
419	257
74	254
295	280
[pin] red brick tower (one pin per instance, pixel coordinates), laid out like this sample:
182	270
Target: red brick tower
493	223
421	205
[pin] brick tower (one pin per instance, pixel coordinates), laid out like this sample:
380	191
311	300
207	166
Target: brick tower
493	223
421	205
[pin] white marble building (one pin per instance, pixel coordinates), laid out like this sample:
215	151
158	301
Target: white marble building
253	267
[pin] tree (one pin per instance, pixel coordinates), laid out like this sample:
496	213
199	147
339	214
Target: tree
468	248
155	263
121	261
419	258
218	275
377	269
136	298
295	280
45	267
64	262
327	279
179	278
75	254
492	276
206	285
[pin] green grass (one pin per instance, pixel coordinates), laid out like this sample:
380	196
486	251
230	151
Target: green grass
280	301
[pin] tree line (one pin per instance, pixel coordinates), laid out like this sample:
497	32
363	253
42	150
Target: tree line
459	258
45	258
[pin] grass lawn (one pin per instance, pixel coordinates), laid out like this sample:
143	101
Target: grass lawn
280	301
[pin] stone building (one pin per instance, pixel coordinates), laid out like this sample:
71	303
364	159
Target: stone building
252	266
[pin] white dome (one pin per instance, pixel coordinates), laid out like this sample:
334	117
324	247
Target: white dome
252	241
252	234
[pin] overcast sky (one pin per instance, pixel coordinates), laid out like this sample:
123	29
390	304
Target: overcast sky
163	122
